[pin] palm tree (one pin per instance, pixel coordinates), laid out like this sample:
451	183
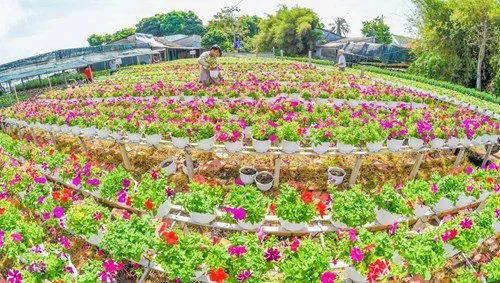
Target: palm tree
340	26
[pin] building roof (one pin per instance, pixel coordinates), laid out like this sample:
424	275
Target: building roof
355	39
193	40
401	40
140	38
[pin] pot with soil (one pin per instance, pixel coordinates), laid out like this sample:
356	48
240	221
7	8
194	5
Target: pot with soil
415	143
345	148
443	204
185	169
264	180
321	148
336	175
394	144
247	174
169	166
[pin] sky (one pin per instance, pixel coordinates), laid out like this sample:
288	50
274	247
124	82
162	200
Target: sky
31	27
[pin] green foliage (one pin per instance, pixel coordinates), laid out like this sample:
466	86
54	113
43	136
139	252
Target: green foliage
262	131
373	132
306	264
80	218
391	201
54	266
216	36
450	186
352	207
112	182
89	272
205	131
151	190
9	217
32	234
418	191
290	206
151	25
201	198
320	135
348	135
430	65
340	26
293	30
251	200
181	22
378	29
289	132
492	270
129	238
465	275
96	39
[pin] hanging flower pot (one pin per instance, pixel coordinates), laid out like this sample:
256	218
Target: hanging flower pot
421	210
453	142
394	145
477	141
234	147
202	218
206	144
345	148
338	102
185	169
494	139
385	217
153	140
169	166
374	146
247	175
353	103
336	175
264	180
180	142
321	148
116	136
355	276
261	146
484	195
250	226
437	143
443	204
103	133
294	227
463	200
289	146
320	100
415	143
95	239
164	209
134	138
76	131
466	142
450	250
89	132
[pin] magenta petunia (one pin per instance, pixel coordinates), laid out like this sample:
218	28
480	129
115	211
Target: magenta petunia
93	182
126	183
272	254
16	237
109	265
40	180
76	181
328	277
295	244
352	235
244	275
14	276
466	223
237	251
239	214
58	212
356	255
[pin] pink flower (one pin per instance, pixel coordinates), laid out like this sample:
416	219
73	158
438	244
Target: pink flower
58	212
294	246
16	237
93	182
76	181
272	254
352	235
109	265
244	275
328	277
97	216
356	255
46	216
449	235
261	234
64	241
14	276
466	223
126	215
40	180
237	251
154	175
393	228
239	214
434	188
126	183
272	138
468	171
238	181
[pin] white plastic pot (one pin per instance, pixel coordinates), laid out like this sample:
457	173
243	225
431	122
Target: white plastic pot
355	276
496	226
374	146
261	146
415	143
96	239
466	142
202	218
338	102
453	142
463	200
250	226
394	145
385	217
443	204
339	225
180	142
353	103
337	180
294	227
321	148
345	148
290	147
116	136
321	100
76	130
185	169
103	133
206	144
153	140
437	143
247	179
450	250
89	132
421	210
164	209
264	187
233	147
170	168
134	138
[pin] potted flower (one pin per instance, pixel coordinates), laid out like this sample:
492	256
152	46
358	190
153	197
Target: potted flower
348	138
397	136
180	134
336	175
421	196
264	180
293	210
154	132
322	97
321	137
344	203
17	241
86	219
134	129
129	236
391	206
290	135
419	133
101	126
201	201
115	184
312	259
374	136
205	135
449	189
246	206
181	254
247	174
231	134
438	138
153	194
263	134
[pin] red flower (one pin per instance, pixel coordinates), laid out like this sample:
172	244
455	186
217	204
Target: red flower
300	131
51	151
2	210
489	180
307	197
199	179
171	238
149	204
212	183
272	208
218	275
369	248
128	201
410	204
377	269
56	195
321	207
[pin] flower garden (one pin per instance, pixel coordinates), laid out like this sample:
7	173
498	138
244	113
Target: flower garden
290	173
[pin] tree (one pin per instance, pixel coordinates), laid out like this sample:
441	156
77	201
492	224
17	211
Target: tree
340	26
96	39
180	22
378	29
151	25
216	36
292	30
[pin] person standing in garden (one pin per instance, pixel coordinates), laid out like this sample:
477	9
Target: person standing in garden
88	74
208	62
341	60
112	66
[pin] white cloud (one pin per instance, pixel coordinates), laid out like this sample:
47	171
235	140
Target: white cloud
11	14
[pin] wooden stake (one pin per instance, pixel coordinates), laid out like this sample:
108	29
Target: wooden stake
126	161
487	156
355	170
277	171
53	138
33	135
189	163
416	166
82	143
459	157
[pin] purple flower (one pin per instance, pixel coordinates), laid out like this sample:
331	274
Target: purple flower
261	234
93	182
272	138
170	192
109	265
497	213
434	188
238	181
76	181
328	277
352	235
356	255
239	214
393	228
64	241
106	277
14	276
244	275
126	183
122	196
16	237
69	269
97	216
466	223
58	212
46	216
468	171
272	254
237	251
40	180
154	175
41	199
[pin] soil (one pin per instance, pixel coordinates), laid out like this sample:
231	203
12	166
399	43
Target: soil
166	164
264	178
336	172
249	171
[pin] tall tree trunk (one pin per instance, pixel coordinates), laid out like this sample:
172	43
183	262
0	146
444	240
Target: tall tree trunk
480	58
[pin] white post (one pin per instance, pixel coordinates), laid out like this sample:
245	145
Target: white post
15	92
281	51
50	84
310	56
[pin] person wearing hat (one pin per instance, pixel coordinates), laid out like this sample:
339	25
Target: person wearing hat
211	55
341	62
